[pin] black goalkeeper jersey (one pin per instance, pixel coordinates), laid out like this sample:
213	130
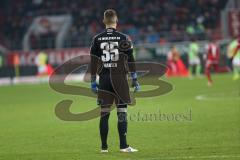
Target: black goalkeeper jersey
111	51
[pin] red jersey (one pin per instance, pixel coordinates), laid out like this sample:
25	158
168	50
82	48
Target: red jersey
213	52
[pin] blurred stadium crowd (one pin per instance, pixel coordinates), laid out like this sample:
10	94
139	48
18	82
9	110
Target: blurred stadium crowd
191	37
147	21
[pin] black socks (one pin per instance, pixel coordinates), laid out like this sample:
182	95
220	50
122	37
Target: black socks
122	129
103	126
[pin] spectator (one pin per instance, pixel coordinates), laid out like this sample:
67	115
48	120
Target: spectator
146	21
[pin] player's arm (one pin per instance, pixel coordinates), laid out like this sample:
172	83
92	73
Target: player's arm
131	61
93	65
131	64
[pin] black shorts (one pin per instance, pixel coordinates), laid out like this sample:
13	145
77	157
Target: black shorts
113	88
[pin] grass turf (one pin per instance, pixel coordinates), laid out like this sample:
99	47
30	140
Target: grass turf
30	129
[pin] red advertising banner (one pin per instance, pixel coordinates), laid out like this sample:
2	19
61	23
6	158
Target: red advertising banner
55	57
234	22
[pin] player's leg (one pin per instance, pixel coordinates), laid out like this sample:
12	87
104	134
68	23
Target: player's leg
103	127
122	125
105	100
208	72
192	65
198	67
190	70
236	68
122	129
121	90
106	104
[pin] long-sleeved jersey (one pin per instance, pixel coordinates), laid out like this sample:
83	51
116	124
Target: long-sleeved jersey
110	53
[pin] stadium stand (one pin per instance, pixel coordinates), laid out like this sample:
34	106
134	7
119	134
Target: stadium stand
155	21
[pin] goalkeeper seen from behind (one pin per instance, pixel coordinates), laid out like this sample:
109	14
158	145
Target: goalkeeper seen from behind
112	59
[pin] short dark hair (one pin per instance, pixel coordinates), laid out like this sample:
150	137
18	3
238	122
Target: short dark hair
110	16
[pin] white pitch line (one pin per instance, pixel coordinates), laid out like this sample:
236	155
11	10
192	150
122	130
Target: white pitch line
217	96
198	157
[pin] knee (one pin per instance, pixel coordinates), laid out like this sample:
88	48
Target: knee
105	113
122	114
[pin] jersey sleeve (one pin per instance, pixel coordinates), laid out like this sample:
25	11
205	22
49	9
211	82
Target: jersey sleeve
131	59
93	48
94	59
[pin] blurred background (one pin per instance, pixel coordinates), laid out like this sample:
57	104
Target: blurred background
38	35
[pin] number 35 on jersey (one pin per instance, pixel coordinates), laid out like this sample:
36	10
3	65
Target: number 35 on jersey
110	53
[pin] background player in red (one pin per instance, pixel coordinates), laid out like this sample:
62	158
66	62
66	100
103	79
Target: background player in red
212	61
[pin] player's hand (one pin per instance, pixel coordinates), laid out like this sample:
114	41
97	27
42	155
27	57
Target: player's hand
136	85
94	86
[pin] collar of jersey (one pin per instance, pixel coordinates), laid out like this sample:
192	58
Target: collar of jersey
110	29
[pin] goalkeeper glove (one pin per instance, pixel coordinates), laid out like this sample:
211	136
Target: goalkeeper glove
94	85
135	83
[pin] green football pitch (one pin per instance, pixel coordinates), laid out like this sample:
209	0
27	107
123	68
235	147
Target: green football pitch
209	128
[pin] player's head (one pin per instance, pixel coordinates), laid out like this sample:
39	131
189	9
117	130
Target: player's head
110	17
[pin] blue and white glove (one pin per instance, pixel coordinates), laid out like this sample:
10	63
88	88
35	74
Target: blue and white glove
135	83
94	85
